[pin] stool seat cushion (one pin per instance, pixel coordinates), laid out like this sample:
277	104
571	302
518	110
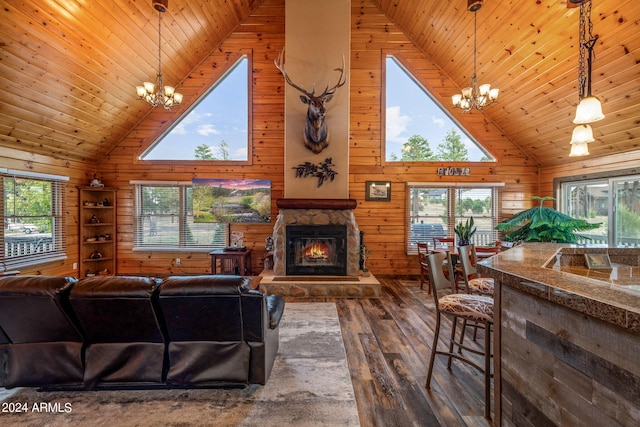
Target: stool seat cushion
481	285
475	307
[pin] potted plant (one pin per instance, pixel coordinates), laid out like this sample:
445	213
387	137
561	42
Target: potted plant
464	232
543	224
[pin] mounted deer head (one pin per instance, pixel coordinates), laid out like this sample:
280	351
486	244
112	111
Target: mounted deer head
316	133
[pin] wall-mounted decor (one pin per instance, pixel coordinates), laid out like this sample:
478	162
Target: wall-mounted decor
454	171
323	170
378	191
316	134
231	200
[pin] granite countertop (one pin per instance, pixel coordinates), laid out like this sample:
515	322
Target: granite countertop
523	268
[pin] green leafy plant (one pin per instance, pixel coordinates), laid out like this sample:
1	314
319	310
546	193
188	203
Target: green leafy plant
465	232
544	224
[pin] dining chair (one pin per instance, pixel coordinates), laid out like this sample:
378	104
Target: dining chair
439	242
464	307
423	252
473	282
487	251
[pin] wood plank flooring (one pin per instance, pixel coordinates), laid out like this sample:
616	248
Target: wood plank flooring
388	344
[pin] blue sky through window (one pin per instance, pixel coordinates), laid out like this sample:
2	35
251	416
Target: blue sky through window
411	111
221	115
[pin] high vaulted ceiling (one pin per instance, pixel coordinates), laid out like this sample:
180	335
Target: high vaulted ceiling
68	68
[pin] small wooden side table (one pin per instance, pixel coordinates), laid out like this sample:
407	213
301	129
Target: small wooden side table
231	262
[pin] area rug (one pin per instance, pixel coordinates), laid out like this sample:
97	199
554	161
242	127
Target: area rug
310	385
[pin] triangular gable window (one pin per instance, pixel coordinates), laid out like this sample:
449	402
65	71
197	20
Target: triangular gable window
215	128
418	129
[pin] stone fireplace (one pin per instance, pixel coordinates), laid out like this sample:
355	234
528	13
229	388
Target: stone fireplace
316	251
319	220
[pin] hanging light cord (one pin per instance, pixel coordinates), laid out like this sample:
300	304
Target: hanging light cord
160	83
474	79
586	50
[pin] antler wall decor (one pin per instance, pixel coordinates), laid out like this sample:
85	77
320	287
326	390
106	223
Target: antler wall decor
316	134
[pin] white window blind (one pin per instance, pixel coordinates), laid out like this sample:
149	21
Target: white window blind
164	220
34	225
434	211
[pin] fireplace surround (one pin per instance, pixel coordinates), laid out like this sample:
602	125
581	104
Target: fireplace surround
311	215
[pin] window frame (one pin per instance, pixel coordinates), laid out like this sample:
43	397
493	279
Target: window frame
57	247
610	179
411	73
184	213
178	116
451	212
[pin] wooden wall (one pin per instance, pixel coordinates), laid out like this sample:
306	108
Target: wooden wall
80	174
383	222
584	166
262	36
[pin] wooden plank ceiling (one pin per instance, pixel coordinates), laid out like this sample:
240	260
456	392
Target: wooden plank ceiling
68	69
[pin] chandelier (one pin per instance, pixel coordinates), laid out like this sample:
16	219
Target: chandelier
157	93
475	96
589	107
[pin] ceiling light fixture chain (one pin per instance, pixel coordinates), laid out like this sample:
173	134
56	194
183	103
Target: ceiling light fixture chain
475	96
589	107
157	93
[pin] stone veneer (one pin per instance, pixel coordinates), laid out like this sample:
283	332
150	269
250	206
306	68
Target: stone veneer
315	217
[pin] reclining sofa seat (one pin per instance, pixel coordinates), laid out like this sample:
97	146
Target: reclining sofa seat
219	330
125	344
39	342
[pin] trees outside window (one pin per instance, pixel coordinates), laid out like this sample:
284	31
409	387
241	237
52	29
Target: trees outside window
613	201
34	227
418	129
216	128
165	220
434	211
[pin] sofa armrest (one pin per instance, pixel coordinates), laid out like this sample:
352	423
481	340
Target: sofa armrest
275	307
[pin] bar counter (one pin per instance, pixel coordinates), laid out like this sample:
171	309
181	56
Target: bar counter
566	337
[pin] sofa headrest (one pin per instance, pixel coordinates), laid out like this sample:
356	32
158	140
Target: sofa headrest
115	286
44	286
204	285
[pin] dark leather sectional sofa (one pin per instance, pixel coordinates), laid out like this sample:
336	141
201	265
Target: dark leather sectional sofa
122	332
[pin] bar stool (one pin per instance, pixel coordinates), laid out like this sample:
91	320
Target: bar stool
465	307
472	280
423	251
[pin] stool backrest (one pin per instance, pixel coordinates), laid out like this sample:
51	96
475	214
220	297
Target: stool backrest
441	283
468	259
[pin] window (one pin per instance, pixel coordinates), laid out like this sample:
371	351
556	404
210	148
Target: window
417	128
614	202
164	220
216	128
434	211
34	226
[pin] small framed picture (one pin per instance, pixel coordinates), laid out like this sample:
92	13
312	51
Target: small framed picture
598	261
378	191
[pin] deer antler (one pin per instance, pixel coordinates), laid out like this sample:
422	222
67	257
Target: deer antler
340	83
279	63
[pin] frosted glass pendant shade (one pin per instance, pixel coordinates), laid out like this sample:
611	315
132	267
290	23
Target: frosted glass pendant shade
579	149
589	110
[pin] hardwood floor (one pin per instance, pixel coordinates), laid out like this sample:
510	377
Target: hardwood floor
388	344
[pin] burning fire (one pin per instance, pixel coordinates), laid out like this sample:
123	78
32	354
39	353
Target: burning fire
316	250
